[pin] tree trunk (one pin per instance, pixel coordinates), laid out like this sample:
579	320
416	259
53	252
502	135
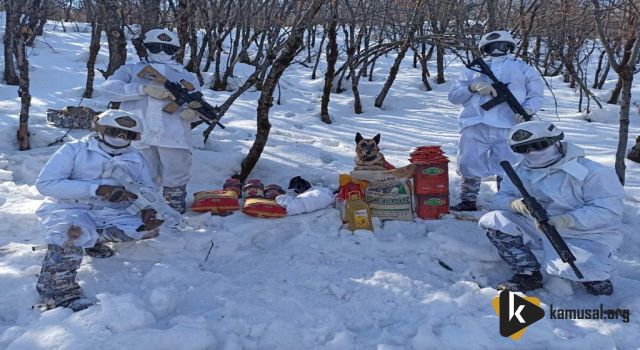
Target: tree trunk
440	64
150	14
37	20
492	10
392	73
603	78
12	17
332	58
596	77
94	48
291	46
623	133
615	94
25	97
211	49
424	70
216	85
414	22
318	56
115	35
184	13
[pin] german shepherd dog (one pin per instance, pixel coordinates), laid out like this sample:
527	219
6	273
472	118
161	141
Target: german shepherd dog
368	155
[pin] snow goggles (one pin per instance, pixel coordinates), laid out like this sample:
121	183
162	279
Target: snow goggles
120	133
161	47
536	145
501	46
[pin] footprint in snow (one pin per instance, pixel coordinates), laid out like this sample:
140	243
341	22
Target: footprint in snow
330	142
327	158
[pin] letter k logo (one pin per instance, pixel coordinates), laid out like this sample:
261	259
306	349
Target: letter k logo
516	313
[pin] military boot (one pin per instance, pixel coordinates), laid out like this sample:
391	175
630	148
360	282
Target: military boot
522	282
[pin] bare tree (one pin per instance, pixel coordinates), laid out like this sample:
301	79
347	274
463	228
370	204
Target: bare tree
625	69
413	25
286	55
332	58
94	48
113	26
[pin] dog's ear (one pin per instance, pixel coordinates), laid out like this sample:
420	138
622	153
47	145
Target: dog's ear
376	139
358	137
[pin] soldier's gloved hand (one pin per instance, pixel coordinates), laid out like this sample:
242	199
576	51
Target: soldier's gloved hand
115	193
517	206
520	118
482	88
149	219
562	221
194	104
158	92
189	114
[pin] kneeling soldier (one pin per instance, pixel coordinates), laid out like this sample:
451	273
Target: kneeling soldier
584	203
85	209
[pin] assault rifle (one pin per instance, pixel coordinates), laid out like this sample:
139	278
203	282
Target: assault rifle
147	197
502	89
182	93
542	218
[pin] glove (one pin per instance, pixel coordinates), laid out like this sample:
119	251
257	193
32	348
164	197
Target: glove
482	88
517	206
520	118
149	220
194	104
158	92
559	221
562	221
189	114
115	193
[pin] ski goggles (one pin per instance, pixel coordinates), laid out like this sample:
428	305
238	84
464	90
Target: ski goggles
120	133
161	47
501	46
536	145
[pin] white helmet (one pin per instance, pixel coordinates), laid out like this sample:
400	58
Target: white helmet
534	135
161	36
119	124
497	43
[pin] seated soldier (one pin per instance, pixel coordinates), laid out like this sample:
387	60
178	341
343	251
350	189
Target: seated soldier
582	198
84	209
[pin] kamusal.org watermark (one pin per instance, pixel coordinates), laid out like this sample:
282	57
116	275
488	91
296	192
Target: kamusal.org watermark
589	314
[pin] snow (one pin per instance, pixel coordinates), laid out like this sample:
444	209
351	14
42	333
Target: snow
301	282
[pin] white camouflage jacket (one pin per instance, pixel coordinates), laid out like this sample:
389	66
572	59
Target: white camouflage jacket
590	192
524	83
160	128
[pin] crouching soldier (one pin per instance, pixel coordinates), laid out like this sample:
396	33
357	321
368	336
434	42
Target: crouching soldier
85	209
582	198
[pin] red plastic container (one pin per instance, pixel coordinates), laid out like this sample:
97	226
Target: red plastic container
431	181
431	178
432	206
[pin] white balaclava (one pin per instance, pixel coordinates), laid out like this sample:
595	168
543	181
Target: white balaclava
542	158
113	145
160	57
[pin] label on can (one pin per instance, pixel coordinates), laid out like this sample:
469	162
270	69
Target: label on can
432	171
434	202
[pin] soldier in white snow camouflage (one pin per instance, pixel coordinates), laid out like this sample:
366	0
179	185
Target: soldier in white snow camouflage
85	209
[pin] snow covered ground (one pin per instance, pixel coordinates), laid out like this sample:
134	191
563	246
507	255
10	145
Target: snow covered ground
301	282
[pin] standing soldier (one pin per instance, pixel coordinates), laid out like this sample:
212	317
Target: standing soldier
483	134
582	198
166	140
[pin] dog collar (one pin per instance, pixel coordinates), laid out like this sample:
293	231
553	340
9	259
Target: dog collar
368	159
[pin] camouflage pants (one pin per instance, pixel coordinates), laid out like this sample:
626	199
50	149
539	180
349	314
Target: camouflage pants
176	197
514	251
469	189
57	281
